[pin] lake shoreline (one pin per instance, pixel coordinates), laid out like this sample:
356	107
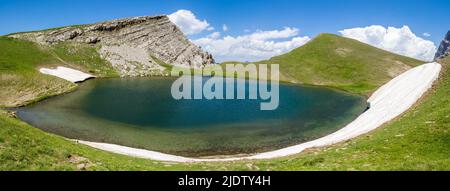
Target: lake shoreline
405	90
149	118
432	73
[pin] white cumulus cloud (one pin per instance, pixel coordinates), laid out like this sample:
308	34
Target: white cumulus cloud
252	47
398	40
188	23
224	27
214	35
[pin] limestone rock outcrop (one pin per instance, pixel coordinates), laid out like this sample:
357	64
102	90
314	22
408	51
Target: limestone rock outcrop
136	46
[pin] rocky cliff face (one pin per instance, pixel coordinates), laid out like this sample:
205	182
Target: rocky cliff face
134	46
444	48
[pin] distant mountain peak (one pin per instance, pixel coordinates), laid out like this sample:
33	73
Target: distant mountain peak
444	48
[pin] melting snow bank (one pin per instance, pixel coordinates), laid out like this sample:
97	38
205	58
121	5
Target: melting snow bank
67	74
388	102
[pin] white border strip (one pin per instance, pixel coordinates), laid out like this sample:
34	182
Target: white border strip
388	102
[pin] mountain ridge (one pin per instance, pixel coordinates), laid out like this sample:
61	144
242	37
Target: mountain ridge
134	46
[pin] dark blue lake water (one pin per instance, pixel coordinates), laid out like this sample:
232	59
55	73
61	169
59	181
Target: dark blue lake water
142	113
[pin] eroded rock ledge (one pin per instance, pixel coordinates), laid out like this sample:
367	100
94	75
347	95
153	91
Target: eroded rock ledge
135	46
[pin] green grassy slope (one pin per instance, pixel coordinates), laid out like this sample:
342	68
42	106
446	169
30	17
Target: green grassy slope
419	140
83	57
20	81
339	62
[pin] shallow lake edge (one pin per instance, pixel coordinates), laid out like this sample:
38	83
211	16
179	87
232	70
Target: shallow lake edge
78	84
417	80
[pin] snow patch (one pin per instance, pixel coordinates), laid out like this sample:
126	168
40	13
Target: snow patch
67	74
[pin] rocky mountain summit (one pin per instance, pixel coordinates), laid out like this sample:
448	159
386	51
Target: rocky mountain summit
444	48
138	46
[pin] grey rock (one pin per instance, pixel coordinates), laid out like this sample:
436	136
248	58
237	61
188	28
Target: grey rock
63	35
92	40
134	46
444	48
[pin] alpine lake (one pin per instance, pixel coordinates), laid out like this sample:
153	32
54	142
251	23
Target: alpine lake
141	113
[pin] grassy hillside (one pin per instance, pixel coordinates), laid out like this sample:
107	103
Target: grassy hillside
339	62
419	140
20	81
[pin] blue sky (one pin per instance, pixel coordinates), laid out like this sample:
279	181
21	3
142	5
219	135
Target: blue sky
309	17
